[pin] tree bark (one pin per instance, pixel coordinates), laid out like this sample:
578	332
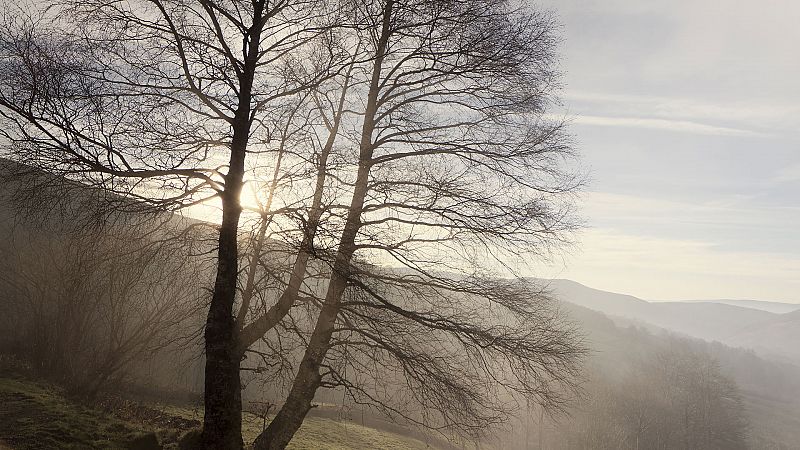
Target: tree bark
222	422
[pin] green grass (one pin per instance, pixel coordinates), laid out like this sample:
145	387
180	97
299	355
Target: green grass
37	416
318	433
327	434
34	416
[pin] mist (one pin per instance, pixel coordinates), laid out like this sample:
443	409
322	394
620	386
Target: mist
396	224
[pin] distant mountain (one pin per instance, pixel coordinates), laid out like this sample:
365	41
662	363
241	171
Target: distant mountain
773	307
769	333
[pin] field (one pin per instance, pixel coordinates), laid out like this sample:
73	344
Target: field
39	416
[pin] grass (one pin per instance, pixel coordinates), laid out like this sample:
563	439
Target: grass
34	416
319	433
326	434
38	416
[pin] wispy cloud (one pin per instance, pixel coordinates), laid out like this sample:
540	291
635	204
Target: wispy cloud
761	115
709	217
680	126
789	174
662	268
682	114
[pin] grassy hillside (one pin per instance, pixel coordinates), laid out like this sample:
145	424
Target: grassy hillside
34	416
318	433
38	416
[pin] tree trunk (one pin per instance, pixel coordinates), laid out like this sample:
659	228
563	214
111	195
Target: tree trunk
222	422
288	420
290	417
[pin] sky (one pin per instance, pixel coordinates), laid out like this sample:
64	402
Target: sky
686	114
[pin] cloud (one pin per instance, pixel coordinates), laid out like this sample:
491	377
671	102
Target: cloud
661	268
730	217
789	174
677	114
662	249
679	126
759	115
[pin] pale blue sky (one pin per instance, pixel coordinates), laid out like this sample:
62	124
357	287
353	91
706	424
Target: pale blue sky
687	116
686	113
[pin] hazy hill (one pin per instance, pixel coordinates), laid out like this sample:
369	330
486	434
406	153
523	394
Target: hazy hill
770	389
773	307
769	333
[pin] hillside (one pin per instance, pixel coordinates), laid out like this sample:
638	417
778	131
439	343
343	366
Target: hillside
773	307
771	334
770	390
39	416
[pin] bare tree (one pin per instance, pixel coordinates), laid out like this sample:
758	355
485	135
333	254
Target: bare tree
428	148
87	306
162	101
445	166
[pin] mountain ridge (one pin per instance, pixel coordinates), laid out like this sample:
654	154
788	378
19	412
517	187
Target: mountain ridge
771	334
763	305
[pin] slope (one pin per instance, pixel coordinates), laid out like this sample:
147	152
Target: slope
775	335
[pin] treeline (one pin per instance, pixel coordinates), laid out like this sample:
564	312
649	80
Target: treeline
655	390
675	398
98	300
